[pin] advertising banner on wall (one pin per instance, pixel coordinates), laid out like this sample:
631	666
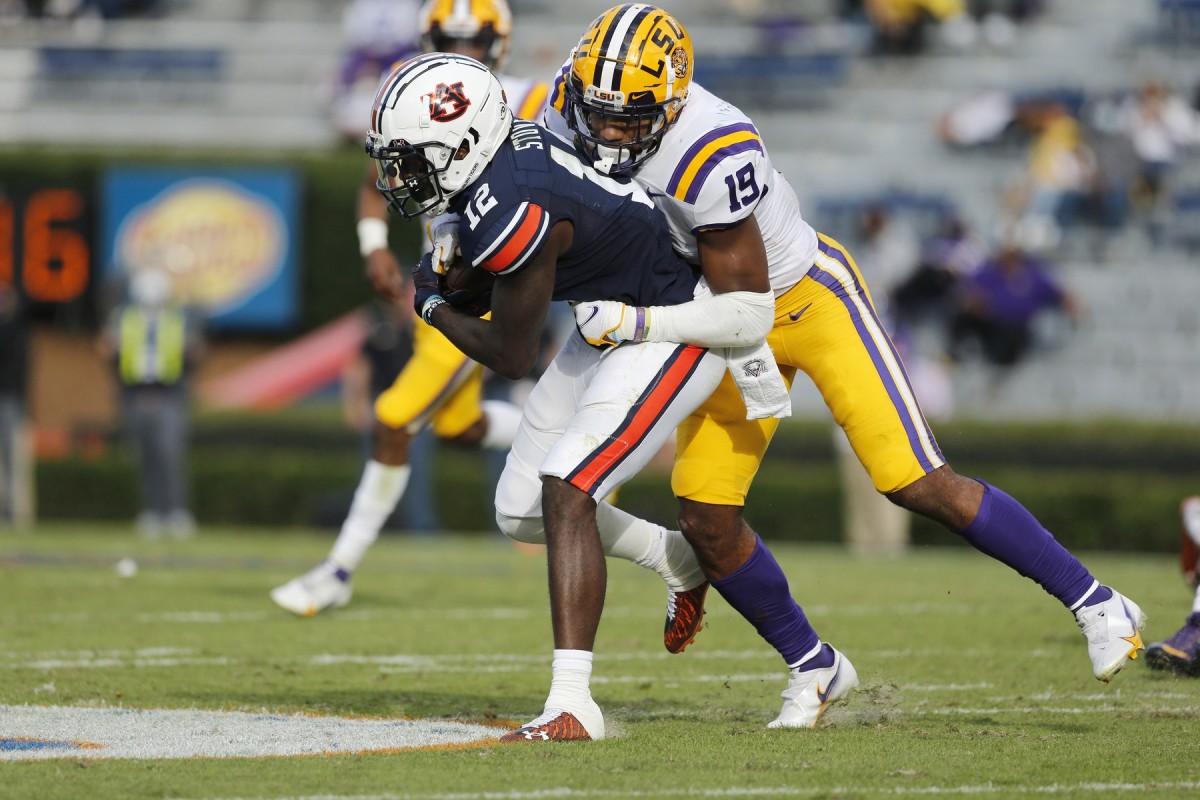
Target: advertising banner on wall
227	238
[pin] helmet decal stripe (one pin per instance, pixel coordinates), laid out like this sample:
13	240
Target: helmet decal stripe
400	79
616	45
630	36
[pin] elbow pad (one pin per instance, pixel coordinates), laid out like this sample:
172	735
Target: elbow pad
731	319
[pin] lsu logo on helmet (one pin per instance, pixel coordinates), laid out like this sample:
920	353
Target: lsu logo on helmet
633	65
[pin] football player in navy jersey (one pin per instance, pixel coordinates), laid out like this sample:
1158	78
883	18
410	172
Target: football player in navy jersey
627	97
548	227
439	387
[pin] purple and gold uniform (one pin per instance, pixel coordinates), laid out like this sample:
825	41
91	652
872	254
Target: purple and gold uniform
711	171
439	386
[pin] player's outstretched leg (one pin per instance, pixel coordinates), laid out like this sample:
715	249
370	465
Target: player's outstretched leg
328	584
1005	530
819	675
669	555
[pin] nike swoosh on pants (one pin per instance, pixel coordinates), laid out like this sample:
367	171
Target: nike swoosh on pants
795	315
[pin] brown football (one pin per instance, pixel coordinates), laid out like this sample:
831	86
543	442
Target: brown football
464	284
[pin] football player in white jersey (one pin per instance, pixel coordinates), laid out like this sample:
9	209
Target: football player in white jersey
627	97
439	386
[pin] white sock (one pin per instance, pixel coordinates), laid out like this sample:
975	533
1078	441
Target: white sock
379	490
570	690
1196	602
503	419
648	545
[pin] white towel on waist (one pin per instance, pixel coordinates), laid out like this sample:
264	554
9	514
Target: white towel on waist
757	377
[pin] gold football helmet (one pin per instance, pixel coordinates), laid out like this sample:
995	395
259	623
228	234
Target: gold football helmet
482	25
629	76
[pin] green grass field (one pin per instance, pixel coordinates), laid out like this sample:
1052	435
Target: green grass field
975	683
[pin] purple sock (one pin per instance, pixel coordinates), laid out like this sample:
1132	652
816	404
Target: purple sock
1006	531
758	590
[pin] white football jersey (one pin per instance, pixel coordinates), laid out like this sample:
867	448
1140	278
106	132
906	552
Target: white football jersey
711	171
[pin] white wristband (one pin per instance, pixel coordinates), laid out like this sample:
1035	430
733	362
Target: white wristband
372	235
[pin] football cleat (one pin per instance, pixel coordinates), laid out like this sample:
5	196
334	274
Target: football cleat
554	725
323	587
810	692
1180	653
685	613
1112	629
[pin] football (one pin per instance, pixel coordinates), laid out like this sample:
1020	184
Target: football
467	287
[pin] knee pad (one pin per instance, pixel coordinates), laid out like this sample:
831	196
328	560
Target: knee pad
530	530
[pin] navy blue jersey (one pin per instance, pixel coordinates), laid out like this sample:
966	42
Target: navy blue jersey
621	248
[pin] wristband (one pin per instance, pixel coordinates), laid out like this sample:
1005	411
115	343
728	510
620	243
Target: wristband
641	328
372	235
427	310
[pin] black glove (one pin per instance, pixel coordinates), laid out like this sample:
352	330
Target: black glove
427	288
470	301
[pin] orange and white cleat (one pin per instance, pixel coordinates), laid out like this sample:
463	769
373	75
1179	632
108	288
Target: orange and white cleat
554	725
685	615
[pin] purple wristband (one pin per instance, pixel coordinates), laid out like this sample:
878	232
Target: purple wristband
639	329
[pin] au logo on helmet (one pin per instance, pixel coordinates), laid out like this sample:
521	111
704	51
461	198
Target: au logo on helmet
447	102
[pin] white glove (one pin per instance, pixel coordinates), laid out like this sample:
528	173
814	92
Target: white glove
443	232
605	323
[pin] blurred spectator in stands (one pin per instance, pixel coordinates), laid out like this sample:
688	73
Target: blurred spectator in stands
1181	653
888	249
1061	168
1107	198
16	474
905	27
982	118
949	257
376	34
385	350
998	306
998	20
1160	124
154	344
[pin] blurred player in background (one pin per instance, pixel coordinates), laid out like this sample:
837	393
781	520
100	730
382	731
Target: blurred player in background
439	386
1181	653
626	96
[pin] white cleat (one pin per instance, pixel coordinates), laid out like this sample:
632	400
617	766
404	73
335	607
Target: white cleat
313	592
809	693
1112	631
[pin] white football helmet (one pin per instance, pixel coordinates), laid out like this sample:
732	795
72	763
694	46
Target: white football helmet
437	121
